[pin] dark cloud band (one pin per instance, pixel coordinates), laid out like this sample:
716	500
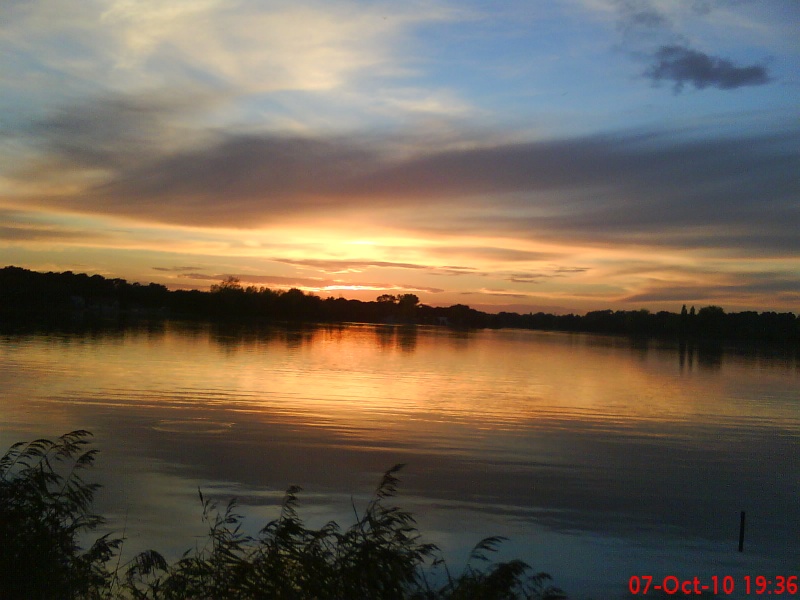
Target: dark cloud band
648	188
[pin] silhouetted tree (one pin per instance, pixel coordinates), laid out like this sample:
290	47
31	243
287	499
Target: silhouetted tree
230	283
408	300
711	321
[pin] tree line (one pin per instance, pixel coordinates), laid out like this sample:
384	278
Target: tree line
25	293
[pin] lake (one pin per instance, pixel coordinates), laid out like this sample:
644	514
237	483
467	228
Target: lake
598	457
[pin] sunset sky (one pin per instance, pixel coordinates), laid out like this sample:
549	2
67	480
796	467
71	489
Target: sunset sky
558	156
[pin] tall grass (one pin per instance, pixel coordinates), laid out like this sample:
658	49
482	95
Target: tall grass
45	507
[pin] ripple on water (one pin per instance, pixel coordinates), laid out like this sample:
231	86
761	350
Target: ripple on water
195	426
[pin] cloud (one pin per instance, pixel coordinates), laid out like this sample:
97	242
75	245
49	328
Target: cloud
176	269
457	271
343	266
41	234
339	265
111	131
21	227
527	277
648	190
654	30
238	179
259	47
683	65
501	292
389	287
537	277
484	253
635	14
645	187
730	287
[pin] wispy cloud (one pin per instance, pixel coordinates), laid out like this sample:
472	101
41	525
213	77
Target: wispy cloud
501	292
784	289
32	234
538	277
490	253
640	14
339	265
22	227
176	269
247	46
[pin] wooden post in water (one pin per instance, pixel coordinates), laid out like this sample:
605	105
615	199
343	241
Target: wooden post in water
741	533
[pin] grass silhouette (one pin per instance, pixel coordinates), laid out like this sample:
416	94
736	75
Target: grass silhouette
45	507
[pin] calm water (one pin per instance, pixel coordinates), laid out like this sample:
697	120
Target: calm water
598	457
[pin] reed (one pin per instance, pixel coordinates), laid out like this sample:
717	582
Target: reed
45	507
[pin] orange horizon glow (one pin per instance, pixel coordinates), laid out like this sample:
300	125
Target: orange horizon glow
442	271
556	158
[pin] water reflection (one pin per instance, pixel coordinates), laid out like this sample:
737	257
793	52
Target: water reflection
707	355
401	337
596	438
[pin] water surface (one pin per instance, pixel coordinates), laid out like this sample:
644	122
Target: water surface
599	457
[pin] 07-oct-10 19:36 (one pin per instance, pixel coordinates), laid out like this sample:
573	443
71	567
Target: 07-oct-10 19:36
786	585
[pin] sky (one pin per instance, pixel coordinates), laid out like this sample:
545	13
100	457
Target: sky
559	156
